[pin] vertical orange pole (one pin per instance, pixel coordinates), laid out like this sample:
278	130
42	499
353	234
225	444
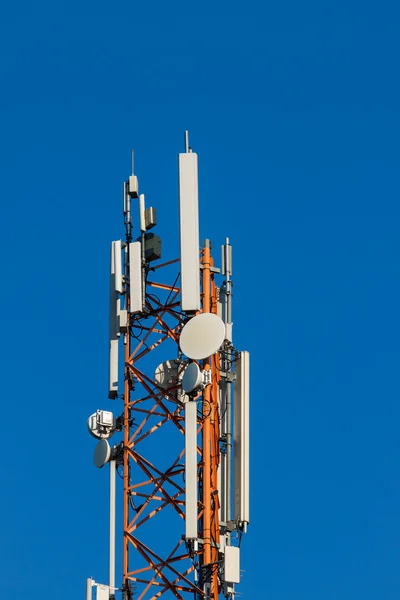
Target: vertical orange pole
206	420
126	461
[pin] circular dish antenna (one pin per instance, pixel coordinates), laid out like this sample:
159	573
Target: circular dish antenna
102	454
192	378
101	424
166	374
202	336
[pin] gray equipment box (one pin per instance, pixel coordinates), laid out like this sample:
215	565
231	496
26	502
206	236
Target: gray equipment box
152	247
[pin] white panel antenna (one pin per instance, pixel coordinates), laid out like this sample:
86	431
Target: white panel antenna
241	439
113	331
189	231
113	370
133	186
135	277
142	217
118	266
102	592
191	470
232	564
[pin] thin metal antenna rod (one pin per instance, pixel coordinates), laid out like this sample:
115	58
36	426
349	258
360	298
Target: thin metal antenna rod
133	161
186	141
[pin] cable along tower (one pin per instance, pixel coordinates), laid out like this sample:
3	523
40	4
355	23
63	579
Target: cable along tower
181	392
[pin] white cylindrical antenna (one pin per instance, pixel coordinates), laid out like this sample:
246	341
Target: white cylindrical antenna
142	217
89	586
186	141
112	526
118	266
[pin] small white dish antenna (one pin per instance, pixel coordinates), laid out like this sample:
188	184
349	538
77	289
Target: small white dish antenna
202	336
192	378
166	374
102	454
101	424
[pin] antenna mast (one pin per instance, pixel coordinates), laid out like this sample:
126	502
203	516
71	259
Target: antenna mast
181	392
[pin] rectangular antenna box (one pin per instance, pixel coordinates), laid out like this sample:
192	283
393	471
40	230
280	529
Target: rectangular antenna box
232	564
150	217
152	247
102	592
133	186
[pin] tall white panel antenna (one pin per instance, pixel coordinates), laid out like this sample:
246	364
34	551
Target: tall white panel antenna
241	439
191	470
189	231
135	277
118	267
142	218
113	331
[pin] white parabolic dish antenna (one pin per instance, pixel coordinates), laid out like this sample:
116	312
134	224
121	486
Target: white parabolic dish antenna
102	453
167	373
192	378
202	336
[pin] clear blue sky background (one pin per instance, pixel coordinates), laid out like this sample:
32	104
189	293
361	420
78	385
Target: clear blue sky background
293	108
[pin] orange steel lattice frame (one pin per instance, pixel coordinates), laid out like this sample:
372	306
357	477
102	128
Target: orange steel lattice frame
146	574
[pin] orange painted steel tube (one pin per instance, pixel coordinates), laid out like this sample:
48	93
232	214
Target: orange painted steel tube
206	422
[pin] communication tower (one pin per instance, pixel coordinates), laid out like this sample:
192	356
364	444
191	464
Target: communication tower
181	393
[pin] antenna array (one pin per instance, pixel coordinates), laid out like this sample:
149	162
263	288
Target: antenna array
183	453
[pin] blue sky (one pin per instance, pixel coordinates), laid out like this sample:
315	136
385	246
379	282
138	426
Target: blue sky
293	109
